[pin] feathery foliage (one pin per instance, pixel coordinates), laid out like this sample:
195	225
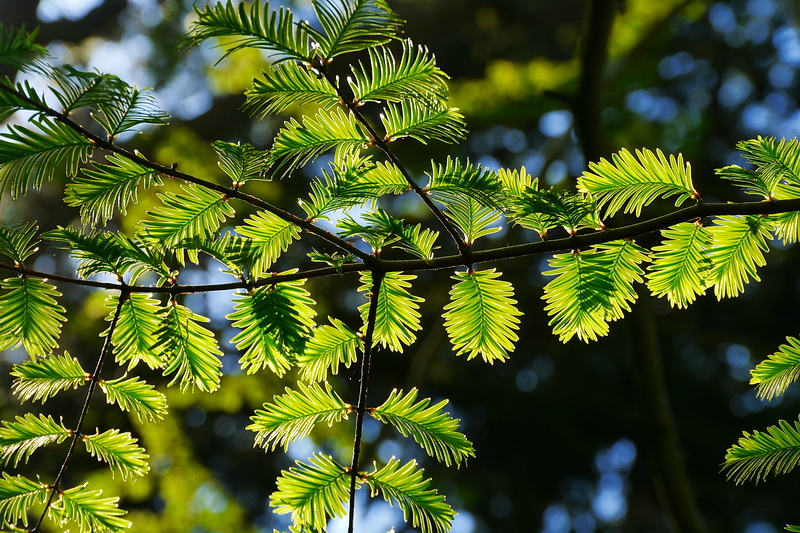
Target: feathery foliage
756	456
352	25
89	511
773	375
269	236
18	440
285	87
329	347
15	241
42	379
397	316
191	350
681	265
133	394
30	315
120	451
17	495
136	330
739	243
423	122
19	49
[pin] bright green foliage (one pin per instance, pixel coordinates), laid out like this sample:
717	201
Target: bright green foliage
464	179
19	49
557	207
28	157
241	162
739	243
285	87
30	315
191	350
294	415
482	316
135	335
90	512
757	455
269	236
352	25
276	321
41	379
17	495
101	189
397	317
329	347
423	122
120	451
473	219
133	394
776	160
404	485
10	103
517	186
18	440
429	425
773	375
77	89
312	493
383	230
15	241
128	108
630	183
787	225
681	265
415	75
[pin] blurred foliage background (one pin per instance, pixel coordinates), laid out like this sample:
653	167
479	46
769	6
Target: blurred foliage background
567	436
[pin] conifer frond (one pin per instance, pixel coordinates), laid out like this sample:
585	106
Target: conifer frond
352	25
775	160
433	429
107	186
424	121
18	440
269	236
30	315
473	219
241	162
77	89
518	185
129	108
191	350
276	320
630	183
135	335
336	260
15	241
773	375
681	266
28	157
397	316
17	495
751	181
194	215
19	49
329	347
133	394
10	103
44	378
482	315
286	86
313	493
739	243
90	512
557	207
755	456
292	416
274	31
296	144
425	508
415	76
456	178
384	230
120	451
787	225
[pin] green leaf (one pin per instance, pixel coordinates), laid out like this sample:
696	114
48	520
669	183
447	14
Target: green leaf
28	157
30	315
753	182
465	179
397	314
775	160
274	31
384	230
415	76
133	394
128	109
44	378
18	440
630	183
329	347
557	207
89	511
423	121
473	219
17	495
276	321
120	451
292	416
15	241
192	351
313	493
11	99
482	315
787	225
429	425
517	187
335	259
681	265
108	186
270	236
135	335
77	89
757	455
296	144
287	86
18	48
739	243
241	162
425	508
353	25
773	375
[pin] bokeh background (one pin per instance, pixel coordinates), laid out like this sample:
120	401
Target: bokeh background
569	437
